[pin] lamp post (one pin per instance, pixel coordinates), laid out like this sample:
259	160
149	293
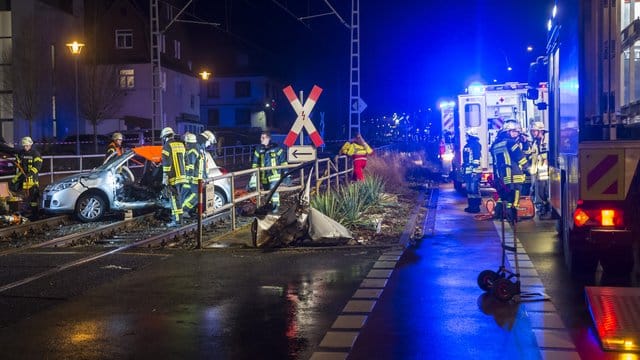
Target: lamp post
75	48
204	74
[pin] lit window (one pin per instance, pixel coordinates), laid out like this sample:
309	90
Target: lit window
127	79
124	39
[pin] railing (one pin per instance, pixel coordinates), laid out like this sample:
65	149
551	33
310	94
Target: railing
323	170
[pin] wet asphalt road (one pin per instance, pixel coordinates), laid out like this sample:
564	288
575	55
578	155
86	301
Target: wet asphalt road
229	304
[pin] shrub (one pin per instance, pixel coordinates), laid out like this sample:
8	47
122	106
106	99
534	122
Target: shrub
348	203
388	167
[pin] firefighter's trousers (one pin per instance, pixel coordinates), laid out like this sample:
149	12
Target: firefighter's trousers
179	193
275	199
541	195
191	199
359	164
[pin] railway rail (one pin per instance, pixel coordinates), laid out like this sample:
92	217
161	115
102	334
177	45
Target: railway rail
105	240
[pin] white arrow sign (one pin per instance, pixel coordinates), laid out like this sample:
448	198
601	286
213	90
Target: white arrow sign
301	153
359	105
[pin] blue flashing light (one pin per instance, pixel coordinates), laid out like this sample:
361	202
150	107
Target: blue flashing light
554	11
549	25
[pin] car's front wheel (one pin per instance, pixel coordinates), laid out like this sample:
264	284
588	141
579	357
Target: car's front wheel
219	199
91	207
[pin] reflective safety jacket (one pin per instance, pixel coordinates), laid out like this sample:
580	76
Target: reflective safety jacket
539	164
471	154
30	162
113	148
194	163
508	160
266	156
355	150
173	162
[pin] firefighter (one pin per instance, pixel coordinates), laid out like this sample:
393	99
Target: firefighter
358	149
173	173
508	163
471	154
115	146
540	170
268	154
526	144
28	164
194	168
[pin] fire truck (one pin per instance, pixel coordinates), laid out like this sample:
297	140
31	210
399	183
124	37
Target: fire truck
592	61
487	107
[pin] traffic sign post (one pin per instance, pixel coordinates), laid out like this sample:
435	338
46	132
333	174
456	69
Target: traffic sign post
303	111
301	153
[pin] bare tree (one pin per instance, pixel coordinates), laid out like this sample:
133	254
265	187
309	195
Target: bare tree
101	97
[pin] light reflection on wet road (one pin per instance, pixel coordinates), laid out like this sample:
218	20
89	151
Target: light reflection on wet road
219	304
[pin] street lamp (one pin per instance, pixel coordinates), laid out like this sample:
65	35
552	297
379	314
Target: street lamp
205	75
75	48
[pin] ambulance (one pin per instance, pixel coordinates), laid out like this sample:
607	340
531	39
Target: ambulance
594	146
486	108
446	152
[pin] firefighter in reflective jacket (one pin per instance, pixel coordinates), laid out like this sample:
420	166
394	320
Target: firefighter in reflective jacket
268	154
115	146
508	163
540	170
358	149
194	169
173	173
28	164
471	154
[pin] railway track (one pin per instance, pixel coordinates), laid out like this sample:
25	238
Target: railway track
140	232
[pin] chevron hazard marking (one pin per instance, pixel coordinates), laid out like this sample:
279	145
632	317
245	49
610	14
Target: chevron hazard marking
602	175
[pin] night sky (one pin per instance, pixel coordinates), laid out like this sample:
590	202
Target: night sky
413	53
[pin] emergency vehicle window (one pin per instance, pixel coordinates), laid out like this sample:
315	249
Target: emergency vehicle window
472	115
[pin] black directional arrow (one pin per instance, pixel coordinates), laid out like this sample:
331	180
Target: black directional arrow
296	152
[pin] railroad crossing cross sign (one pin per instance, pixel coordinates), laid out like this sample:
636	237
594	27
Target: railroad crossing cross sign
301	153
303	121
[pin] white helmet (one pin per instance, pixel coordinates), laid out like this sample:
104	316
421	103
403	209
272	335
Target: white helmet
211	139
190	138
473	132
116	136
26	141
511	125
166	132
538	125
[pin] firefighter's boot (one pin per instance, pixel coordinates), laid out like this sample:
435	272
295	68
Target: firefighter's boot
474	205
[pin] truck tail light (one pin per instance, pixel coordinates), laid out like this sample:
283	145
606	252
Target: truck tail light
580	217
610	217
598	217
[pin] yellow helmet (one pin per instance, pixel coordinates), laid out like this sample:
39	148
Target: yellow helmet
116	136
26	141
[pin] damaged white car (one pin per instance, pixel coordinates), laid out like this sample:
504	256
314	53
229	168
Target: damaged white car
127	182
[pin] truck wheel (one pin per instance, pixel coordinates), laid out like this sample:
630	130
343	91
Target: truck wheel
580	263
617	264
